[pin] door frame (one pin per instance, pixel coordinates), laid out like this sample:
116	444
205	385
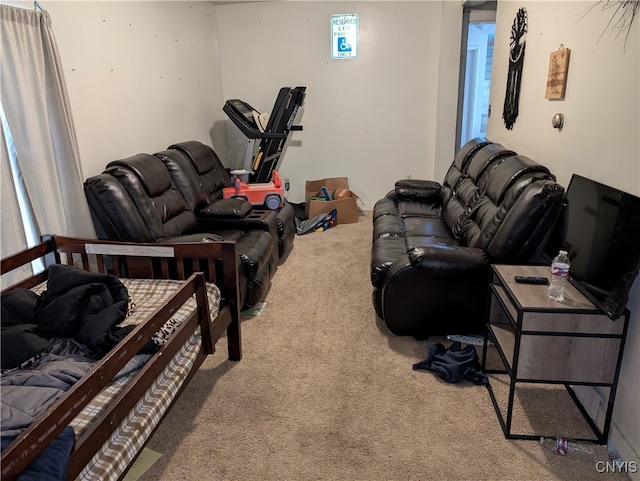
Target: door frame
467	7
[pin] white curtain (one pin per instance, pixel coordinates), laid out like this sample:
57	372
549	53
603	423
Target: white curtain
35	101
11	227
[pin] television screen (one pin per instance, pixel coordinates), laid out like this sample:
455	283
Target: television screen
600	229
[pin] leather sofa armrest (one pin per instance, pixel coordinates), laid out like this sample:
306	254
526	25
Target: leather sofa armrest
440	261
418	190
265	220
226	209
258	219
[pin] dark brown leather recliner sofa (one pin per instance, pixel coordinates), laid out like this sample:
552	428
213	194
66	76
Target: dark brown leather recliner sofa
200	176
137	200
433	243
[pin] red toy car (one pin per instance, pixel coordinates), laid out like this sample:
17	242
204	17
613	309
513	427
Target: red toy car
269	194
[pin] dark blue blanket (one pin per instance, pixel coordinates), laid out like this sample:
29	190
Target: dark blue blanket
453	364
51	465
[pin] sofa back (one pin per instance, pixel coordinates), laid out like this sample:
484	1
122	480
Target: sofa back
161	206
114	214
471	184
185	178
513	211
197	172
458	169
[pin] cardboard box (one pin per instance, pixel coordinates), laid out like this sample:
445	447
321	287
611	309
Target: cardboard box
347	208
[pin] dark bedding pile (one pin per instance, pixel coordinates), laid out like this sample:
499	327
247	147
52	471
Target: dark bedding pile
49	341
77	304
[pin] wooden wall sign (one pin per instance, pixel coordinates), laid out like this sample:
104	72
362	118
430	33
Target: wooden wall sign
557	77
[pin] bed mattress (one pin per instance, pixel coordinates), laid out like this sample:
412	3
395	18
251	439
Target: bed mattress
146	296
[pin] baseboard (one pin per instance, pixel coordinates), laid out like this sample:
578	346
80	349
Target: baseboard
624	448
596	408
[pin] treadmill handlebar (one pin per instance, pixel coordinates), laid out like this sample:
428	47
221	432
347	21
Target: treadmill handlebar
243	115
248	126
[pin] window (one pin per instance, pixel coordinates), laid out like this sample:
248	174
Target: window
476	59
26	213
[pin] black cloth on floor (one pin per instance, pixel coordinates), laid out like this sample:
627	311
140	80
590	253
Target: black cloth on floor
453	364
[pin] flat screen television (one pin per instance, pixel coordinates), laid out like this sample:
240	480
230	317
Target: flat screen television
599	227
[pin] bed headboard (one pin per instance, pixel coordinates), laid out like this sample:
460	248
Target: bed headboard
129	259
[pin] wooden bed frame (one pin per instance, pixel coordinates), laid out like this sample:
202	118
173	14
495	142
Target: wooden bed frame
195	263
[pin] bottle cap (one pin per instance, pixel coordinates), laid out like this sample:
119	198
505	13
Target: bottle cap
564	252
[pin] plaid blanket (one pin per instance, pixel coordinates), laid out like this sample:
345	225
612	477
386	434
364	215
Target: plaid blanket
130	436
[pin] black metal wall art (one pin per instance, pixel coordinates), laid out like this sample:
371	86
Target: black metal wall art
516	60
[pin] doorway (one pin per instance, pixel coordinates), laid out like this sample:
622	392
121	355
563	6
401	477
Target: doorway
478	31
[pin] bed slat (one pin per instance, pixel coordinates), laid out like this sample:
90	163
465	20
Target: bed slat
102	428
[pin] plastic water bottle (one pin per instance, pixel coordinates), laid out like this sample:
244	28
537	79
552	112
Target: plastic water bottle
559	274
566	447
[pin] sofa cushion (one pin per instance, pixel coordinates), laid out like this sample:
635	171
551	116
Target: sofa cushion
114	213
385	206
388	226
417	190
530	215
420	208
152	175
226	208
470	187
425	227
162	208
512	169
185	177
459	167
504	192
212	175
485	160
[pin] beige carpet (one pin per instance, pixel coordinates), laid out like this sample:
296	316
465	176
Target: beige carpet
325	392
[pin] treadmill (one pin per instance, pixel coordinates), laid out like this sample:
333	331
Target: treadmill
272	136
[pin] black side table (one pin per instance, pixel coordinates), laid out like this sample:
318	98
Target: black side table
549	342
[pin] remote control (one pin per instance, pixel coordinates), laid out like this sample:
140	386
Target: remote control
530	280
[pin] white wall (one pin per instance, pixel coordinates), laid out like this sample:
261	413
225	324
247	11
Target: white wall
600	139
140	76
375	118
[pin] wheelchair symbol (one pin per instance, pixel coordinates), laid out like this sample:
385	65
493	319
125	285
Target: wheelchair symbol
343	45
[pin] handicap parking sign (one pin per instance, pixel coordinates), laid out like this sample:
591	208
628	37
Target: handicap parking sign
344	36
343	45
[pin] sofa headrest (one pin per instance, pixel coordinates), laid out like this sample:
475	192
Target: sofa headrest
149	169
510	171
172	157
484	158
467	151
115	215
203	157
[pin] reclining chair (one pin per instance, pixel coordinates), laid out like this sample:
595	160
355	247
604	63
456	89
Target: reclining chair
135	200
199	175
